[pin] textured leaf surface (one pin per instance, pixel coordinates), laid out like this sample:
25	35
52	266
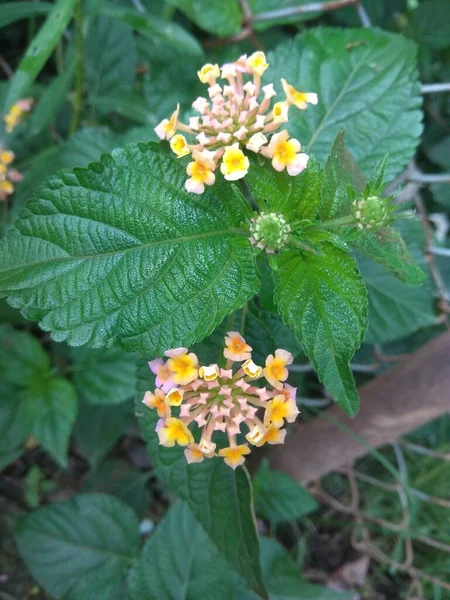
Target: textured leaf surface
163	571
220	18
294	197
323	298
80	549
367	84
106	376
278	497
219	497
39	50
111	60
120	253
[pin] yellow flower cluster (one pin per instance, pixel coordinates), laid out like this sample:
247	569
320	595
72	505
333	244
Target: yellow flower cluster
17	113
210	398
8	176
238	115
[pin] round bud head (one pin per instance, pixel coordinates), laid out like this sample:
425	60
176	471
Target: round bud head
371	213
269	231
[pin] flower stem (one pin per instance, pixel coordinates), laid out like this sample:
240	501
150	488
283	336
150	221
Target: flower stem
78	103
341	221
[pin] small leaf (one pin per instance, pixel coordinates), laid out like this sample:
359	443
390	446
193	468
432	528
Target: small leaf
323	298
220	18
12	425
294	197
39	50
120	254
153	28
280	498
50	410
22	358
163	572
106	376
374	93
80	549
15	11
341	171
220	498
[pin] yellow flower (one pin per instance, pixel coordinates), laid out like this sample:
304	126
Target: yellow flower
209	73
256	142
175	397
234	163
182	365
278	410
234	455
201	172
276	370
6	188
284	154
167	128
257	63
174	432
209	373
193	454
273	436
256	435
298	99
237	348
280	112
157	401
16	113
6	157
179	145
252	370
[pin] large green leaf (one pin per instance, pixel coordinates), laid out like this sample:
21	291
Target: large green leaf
120	254
295	197
39	50
220	18
106	376
50	408
367	84
152	27
278	497
283	579
111	60
323	298
166	570
14	11
80	549
220	498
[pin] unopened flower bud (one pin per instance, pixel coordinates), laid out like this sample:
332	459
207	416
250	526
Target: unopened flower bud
371	212
269	231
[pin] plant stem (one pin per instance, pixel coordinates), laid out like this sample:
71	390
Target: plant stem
78	103
348	220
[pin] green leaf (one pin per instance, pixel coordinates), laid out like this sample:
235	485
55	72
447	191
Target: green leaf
283	579
430	22
15	11
373	93
323	298
51	100
50	409
95	442
120	254
340	172
106	376
40	50
280	498
294	197
80	549
388	248
162	571
111	61
22	358
220	498
12	426
116	477
153	28
130	105
219	18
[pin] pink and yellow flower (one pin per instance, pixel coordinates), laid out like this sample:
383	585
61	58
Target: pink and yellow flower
17	113
234	163
213	399
298	99
285	154
168	127
201	172
8	176
164	378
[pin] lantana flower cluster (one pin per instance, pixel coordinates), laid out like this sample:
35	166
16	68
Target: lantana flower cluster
190	397
238	116
8	175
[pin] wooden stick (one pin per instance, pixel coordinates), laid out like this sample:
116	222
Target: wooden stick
414	392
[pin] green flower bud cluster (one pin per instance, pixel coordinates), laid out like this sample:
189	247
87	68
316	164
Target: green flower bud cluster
371	212
269	231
